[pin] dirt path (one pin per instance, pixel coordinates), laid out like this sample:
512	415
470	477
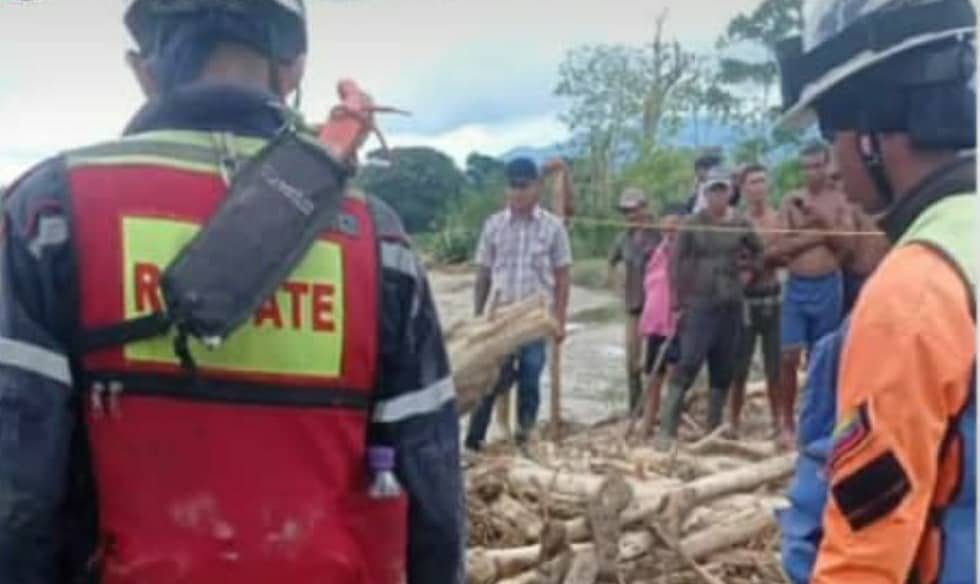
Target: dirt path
594	378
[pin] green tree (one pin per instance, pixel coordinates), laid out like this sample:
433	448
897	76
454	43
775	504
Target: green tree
485	172
419	183
620	102
786	176
458	229
702	99
748	71
665	174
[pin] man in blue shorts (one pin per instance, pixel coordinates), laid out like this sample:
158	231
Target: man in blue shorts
812	303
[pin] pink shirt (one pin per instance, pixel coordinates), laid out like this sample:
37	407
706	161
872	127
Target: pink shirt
658	318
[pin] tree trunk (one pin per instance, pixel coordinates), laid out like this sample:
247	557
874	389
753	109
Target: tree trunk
478	347
715	486
710	541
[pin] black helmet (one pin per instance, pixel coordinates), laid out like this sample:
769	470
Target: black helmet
279	25
876	66
709	157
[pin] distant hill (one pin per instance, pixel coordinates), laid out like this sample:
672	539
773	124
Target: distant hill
543	154
691	135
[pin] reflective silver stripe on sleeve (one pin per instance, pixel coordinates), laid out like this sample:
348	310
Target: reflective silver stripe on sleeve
399	258
51	231
34	359
418	403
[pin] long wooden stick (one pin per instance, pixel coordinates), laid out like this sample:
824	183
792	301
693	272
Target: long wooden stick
502	412
642	404
556	391
563	195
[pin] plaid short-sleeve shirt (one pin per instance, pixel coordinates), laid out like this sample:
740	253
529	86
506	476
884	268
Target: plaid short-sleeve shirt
523	253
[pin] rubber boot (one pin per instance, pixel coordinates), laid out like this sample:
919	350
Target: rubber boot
716	407
636	389
670	418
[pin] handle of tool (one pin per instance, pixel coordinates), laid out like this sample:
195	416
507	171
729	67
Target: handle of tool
641	403
556	391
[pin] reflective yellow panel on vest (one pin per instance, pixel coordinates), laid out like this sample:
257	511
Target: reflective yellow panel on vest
297	332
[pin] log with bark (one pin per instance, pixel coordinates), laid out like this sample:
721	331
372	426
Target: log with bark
747	527
478	347
558	518
652	496
744	479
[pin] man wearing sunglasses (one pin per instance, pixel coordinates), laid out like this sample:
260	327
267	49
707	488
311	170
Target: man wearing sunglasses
524	250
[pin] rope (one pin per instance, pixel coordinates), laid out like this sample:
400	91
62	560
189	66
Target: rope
720	228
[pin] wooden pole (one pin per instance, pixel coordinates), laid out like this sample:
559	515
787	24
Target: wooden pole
643	403
502	413
563	206
556	391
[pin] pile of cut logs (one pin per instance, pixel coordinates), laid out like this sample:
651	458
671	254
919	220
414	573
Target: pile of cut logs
477	347
596	510
595	507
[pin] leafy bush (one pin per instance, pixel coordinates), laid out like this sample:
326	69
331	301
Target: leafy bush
457	232
786	176
666	174
419	184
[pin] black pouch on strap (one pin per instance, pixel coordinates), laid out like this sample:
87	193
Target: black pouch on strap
276	208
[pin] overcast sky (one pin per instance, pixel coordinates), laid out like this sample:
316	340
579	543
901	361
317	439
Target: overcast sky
478	74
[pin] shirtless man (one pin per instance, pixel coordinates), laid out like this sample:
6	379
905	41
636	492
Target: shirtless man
812	304
864	252
761	306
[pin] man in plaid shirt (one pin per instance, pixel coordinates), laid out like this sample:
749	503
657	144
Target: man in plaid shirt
524	250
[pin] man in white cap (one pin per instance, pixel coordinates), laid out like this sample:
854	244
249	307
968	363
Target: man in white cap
705	272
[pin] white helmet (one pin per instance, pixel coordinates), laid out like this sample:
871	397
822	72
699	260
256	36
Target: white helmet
843	39
884	66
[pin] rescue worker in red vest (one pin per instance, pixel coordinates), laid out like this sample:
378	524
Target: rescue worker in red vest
892	85
116	466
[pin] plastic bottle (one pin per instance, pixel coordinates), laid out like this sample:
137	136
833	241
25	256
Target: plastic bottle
381	461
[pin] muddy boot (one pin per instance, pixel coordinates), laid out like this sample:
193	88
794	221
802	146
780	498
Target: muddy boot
670	418
716	407
636	390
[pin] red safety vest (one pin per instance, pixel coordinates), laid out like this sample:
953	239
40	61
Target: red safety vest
257	474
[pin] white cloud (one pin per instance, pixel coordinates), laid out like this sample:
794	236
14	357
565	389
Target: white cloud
476	73
492	140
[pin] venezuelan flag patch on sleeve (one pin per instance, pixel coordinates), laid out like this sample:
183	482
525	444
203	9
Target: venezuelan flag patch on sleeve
850	435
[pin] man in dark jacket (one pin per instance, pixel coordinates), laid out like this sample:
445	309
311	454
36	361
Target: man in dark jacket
117	465
633	248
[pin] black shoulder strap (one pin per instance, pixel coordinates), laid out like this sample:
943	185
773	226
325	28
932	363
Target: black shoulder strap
129	331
